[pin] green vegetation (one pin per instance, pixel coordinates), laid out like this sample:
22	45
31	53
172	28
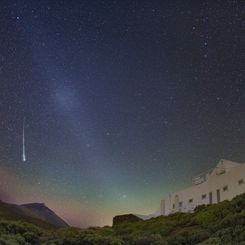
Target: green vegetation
222	223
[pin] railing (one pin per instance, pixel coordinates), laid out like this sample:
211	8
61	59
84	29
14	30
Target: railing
202	177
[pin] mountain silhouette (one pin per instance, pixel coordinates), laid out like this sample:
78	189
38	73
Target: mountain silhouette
32	212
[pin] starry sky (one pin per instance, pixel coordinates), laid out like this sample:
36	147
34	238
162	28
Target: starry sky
124	101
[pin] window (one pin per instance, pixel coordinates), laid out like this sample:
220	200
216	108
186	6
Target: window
204	196
218	195
240	181
225	188
180	204
190	200
173	206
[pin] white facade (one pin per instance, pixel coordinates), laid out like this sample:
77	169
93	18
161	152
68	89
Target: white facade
224	182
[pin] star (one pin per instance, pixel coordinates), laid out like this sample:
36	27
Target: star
124	196
120	100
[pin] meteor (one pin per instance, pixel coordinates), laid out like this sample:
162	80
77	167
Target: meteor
23	144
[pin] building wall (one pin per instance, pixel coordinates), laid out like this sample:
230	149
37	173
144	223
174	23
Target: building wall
230	180
227	183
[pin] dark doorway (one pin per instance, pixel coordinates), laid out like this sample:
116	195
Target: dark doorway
210	197
176	203
218	195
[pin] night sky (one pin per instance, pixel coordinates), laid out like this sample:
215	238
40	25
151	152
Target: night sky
123	101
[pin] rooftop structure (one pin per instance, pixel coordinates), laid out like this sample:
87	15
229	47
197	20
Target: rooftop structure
223	182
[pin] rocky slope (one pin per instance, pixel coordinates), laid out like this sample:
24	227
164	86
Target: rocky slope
32	212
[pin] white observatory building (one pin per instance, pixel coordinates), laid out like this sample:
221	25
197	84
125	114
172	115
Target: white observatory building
224	182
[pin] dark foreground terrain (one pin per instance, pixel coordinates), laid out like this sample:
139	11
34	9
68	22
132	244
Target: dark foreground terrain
222	223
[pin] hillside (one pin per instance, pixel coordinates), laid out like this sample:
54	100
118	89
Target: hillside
36	213
42	212
222	223
212	224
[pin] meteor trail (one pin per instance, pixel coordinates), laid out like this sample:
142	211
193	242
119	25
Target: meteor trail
23	143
